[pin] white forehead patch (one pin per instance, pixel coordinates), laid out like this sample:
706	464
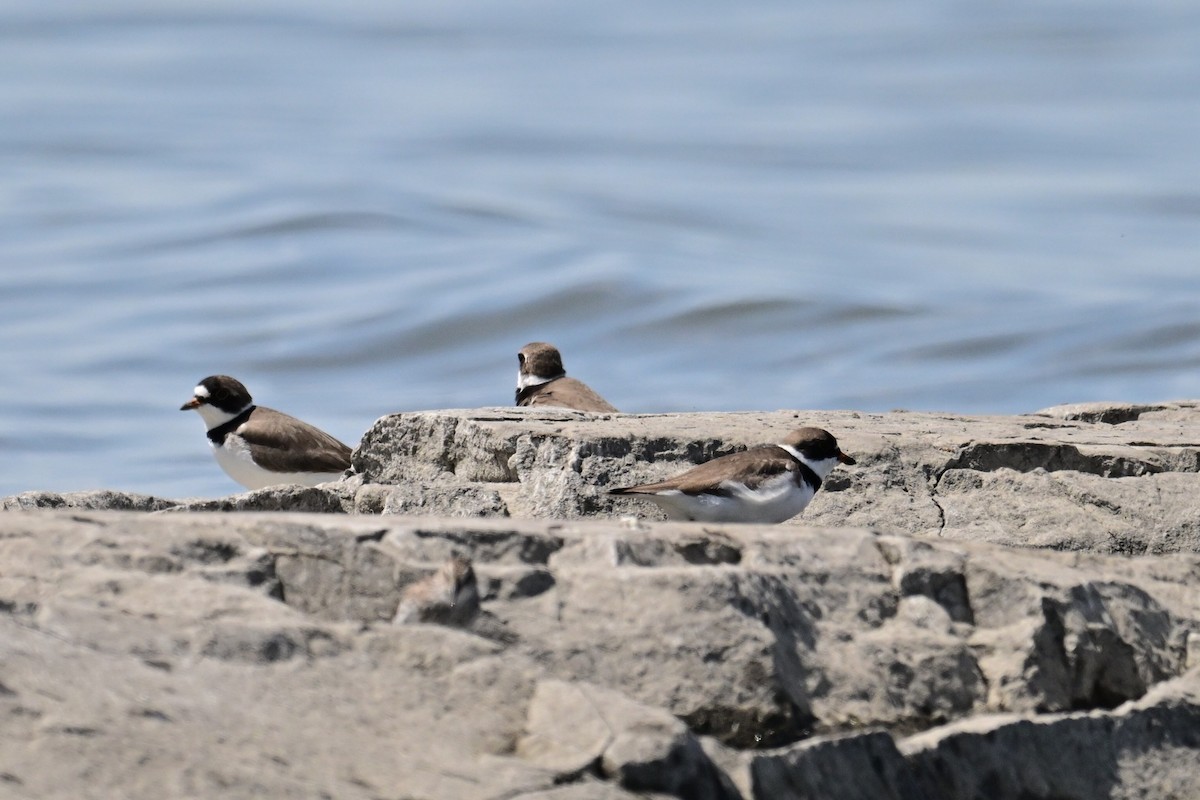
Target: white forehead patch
200	391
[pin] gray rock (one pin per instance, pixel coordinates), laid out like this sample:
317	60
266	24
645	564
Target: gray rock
250	654
1111	413
1107	478
567	730
589	789
1146	749
330	498
574	728
445	501
124	681
1054	480
1142	750
93	500
855	767
1085	642
892	642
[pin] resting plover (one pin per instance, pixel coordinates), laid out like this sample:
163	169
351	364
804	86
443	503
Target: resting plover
767	484
542	381
449	596
259	446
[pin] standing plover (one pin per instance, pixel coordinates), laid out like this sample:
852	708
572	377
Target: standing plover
259	446
542	381
770	483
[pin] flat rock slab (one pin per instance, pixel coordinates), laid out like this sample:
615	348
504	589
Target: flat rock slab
170	655
999	607
1102	478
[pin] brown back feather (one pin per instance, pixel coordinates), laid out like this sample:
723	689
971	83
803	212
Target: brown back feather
568	393
280	445
757	465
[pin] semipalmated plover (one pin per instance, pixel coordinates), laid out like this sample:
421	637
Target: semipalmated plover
449	596
542	381
769	483
259	446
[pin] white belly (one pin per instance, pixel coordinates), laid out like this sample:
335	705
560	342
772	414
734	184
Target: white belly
234	458
775	501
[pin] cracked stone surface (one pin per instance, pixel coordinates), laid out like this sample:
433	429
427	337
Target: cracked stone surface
983	607
1101	478
252	654
1105	478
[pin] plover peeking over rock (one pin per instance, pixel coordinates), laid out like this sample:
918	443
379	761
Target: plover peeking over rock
542	381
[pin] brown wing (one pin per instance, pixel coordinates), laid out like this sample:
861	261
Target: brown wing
294	447
751	467
569	393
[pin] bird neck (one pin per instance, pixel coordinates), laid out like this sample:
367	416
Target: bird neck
218	433
527	385
814	472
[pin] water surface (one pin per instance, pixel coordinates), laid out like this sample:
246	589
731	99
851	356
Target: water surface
359	209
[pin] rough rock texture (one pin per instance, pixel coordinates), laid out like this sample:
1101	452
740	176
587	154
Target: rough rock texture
1105	478
892	642
1097	477
1069	755
252	655
94	500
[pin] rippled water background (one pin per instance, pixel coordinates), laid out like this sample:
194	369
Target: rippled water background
361	208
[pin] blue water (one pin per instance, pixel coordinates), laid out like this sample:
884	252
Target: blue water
359	208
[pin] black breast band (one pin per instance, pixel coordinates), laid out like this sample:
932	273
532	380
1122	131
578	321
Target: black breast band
217	435
810	477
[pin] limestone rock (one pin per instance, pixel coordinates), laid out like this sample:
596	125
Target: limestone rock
454	500
1058	479
1146	749
330	498
1106	478
980	608
1114	413
251	654
856	767
94	500
574	728
590	789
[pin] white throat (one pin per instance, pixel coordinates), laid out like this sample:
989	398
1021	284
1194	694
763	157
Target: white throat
822	468
525	381
215	417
